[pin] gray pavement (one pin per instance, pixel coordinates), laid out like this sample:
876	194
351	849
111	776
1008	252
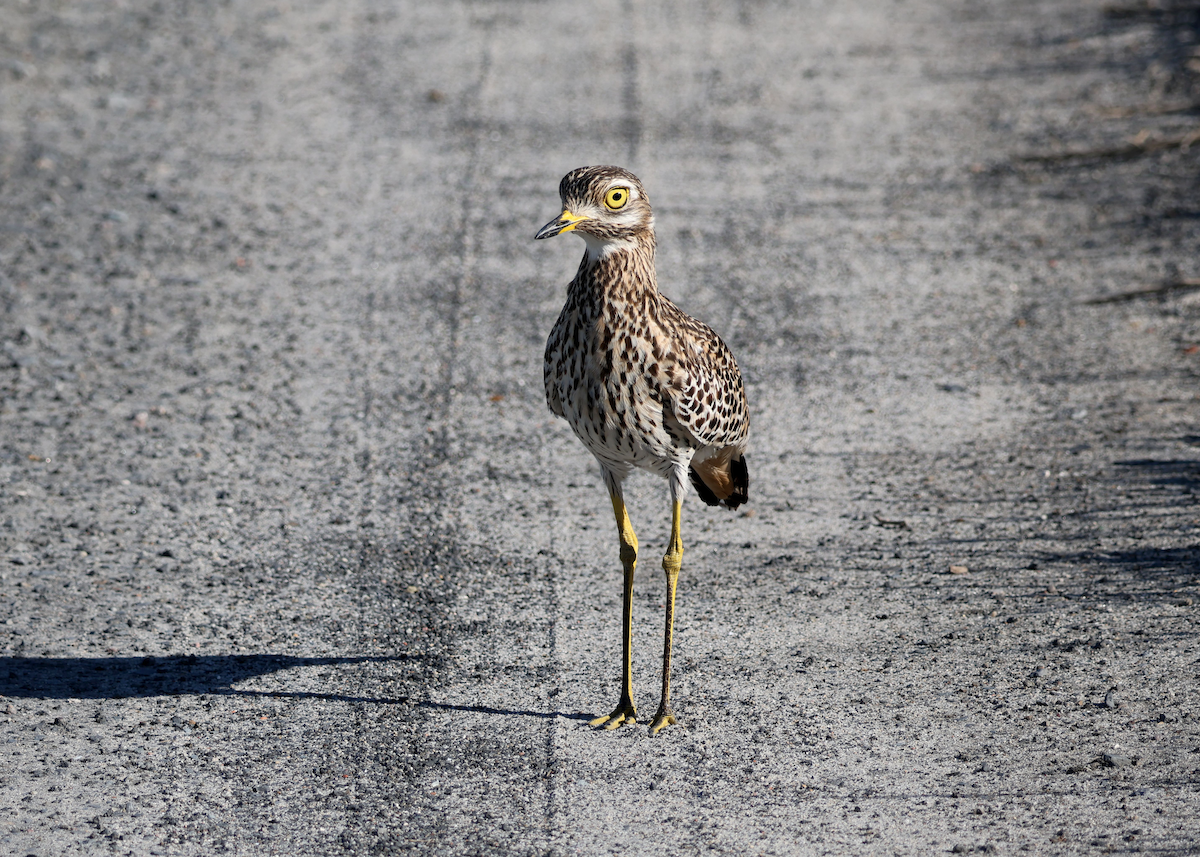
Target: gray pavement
294	559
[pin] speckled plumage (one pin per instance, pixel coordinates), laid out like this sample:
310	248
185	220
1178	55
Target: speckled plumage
642	384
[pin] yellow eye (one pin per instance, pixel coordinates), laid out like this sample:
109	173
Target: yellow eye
616	198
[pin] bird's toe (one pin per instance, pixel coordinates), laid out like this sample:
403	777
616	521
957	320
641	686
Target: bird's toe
625	712
664	718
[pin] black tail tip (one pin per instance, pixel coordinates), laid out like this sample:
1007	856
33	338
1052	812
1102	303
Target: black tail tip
741	485
741	482
703	490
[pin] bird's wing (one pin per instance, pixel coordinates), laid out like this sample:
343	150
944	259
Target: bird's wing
705	396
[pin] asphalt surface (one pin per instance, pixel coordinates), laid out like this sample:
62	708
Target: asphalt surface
294	559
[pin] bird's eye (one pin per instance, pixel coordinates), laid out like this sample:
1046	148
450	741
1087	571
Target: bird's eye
616	198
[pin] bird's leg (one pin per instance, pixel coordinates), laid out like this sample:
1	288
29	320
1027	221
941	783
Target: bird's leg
672	562
626	711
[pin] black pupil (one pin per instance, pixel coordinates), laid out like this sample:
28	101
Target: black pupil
617	196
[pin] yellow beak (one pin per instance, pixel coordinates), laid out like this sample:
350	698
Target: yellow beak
565	222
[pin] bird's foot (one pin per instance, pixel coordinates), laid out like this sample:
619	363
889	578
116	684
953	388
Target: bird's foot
665	717
625	712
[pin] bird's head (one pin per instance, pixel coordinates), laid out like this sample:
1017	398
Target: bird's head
606	206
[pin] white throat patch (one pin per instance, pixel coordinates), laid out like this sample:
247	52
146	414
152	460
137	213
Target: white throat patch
598	248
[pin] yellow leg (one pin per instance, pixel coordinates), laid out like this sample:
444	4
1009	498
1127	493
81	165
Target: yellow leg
672	562
626	711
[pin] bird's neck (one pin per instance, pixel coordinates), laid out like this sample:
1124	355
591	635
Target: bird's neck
617	269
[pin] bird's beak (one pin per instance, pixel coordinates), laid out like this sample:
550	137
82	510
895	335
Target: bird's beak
565	222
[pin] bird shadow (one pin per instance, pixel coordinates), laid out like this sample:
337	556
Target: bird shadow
215	675
507	712
137	677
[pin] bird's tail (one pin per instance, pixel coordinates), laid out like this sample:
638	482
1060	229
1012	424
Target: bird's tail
722	480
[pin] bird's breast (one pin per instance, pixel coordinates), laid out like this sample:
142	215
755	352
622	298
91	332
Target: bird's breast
610	384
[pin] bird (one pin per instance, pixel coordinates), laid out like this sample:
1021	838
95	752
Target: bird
642	385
